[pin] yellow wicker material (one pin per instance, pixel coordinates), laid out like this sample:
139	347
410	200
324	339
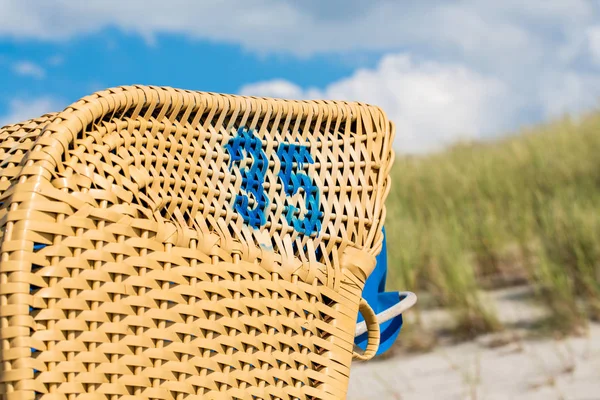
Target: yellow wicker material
127	272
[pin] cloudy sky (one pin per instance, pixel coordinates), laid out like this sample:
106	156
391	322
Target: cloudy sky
443	70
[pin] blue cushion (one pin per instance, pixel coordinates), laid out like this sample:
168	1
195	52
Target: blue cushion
380	300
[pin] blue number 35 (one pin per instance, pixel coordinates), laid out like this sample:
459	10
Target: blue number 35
246	143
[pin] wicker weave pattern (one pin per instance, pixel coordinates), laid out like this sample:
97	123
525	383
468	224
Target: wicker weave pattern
126	270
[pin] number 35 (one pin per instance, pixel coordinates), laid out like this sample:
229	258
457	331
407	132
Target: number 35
247	144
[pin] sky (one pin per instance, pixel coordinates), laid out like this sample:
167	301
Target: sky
443	70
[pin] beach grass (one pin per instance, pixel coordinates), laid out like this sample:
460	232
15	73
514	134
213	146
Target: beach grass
522	209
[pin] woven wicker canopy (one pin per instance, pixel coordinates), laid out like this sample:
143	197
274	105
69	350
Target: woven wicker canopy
167	244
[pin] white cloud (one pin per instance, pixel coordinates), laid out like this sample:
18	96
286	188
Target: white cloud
432	104
570	93
279	88
56	60
470	67
27	68
21	110
593	40
467	26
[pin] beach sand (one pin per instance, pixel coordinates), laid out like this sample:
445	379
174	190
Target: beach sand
543	369
523	369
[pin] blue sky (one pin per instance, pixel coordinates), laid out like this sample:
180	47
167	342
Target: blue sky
442	70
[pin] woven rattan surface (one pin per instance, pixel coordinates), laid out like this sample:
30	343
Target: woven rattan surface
167	244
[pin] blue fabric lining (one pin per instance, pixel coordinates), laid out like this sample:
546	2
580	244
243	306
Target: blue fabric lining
379	300
38	246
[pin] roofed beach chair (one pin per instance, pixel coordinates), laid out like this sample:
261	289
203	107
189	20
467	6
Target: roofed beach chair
167	244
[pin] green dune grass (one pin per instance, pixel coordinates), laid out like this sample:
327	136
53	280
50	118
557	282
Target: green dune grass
527	207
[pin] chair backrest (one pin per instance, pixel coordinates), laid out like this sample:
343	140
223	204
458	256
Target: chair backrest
136	204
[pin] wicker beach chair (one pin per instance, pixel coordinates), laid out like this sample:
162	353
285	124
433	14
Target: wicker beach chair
167	244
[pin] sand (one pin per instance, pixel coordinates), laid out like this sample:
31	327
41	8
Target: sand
544	369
